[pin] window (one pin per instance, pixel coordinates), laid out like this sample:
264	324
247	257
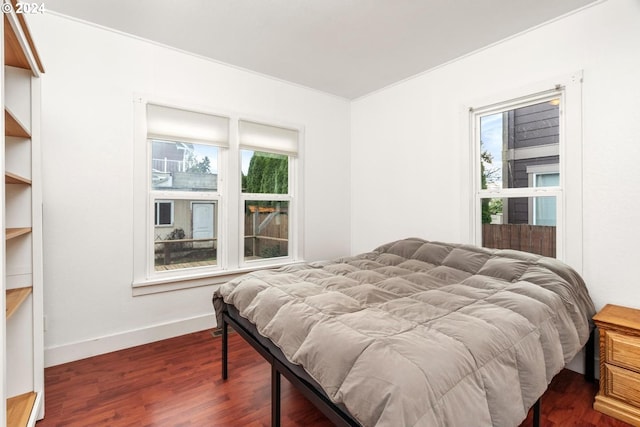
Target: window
215	196
267	154
183	180
526	170
518	187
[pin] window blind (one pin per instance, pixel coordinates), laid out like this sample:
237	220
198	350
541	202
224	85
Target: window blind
173	124
261	137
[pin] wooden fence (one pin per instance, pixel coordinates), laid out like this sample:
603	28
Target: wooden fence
537	239
266	236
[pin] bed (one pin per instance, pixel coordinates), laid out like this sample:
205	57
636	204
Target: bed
415	333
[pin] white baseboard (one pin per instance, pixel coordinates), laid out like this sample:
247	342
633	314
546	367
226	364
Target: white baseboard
58	355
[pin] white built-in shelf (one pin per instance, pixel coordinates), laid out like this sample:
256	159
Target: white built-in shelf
20	52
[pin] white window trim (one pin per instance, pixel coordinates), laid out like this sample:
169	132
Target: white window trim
569	194
230	261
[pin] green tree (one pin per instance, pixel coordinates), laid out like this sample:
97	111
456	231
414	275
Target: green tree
254	174
203	166
495	206
268	173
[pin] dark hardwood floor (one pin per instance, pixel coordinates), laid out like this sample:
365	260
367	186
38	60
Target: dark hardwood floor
176	382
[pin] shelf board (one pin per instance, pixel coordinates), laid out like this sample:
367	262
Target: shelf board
15	232
13	127
14	54
12	178
19	409
15	297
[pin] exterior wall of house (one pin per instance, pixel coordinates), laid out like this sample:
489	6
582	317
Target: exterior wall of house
92	77
532	126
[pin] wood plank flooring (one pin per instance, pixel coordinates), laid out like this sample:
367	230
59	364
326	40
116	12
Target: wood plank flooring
176	383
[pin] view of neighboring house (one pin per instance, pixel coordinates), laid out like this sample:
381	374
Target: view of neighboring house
531	159
183	167
521	150
176	166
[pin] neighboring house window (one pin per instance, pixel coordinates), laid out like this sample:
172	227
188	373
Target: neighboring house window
518	184
543	210
163	213
215	196
268	156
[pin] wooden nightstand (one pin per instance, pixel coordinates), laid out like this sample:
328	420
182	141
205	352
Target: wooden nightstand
619	394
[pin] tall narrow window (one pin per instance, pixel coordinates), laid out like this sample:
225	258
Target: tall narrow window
268	156
518	182
185	149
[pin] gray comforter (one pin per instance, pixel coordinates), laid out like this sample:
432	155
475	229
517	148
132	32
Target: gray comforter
419	333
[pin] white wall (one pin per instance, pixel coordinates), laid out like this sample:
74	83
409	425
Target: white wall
408	147
87	133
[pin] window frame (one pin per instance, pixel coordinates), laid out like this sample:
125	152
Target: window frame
568	194
228	199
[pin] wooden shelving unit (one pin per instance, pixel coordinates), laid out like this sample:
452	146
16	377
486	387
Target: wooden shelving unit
22	282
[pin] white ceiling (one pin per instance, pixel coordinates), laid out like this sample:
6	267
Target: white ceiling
345	47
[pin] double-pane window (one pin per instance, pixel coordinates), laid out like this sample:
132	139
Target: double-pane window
518	182
184	169
220	194
267	154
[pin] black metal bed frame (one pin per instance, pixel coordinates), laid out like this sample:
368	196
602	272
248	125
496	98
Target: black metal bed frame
280	366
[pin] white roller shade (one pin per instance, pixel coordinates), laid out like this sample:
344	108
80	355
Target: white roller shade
261	137
175	124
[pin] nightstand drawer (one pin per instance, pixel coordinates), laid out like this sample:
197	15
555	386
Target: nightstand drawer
619	394
623	350
622	384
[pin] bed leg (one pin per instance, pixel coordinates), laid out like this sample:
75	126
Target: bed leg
275	396
536	413
590	358
225	337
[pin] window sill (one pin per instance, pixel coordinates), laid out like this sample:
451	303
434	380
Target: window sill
194	280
